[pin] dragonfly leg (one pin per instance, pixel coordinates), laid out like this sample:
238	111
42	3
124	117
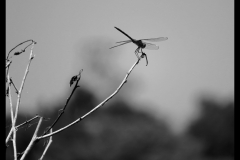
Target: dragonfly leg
136	53
144	55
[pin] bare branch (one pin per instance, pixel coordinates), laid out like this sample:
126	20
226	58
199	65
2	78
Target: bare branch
17	53
11	108
95	108
28	121
78	77
14	119
33	141
11	81
22	85
49	143
8	63
20	125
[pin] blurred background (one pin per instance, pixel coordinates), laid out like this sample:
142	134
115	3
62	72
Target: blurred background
181	106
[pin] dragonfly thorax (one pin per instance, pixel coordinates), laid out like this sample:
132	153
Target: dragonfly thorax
140	44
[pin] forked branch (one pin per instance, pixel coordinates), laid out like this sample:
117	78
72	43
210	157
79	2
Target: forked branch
95	108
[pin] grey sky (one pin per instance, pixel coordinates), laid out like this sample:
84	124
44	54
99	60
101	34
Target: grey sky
197	58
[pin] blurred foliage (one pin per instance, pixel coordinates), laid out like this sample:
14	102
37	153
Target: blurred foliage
118	132
215	129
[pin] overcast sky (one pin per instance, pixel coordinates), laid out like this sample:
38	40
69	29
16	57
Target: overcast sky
197	58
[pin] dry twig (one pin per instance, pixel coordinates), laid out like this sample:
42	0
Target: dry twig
95	108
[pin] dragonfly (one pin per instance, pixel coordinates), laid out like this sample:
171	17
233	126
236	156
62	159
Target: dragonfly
141	44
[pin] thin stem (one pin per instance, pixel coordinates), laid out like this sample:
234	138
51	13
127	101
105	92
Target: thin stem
7	69
8	64
17	127
18	103
13	129
11	109
14	143
63	109
95	108
11	81
22	85
28	121
48	145
34	139
19	45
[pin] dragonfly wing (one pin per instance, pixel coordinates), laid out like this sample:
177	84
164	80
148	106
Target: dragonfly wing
156	39
119	45
151	46
125	41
